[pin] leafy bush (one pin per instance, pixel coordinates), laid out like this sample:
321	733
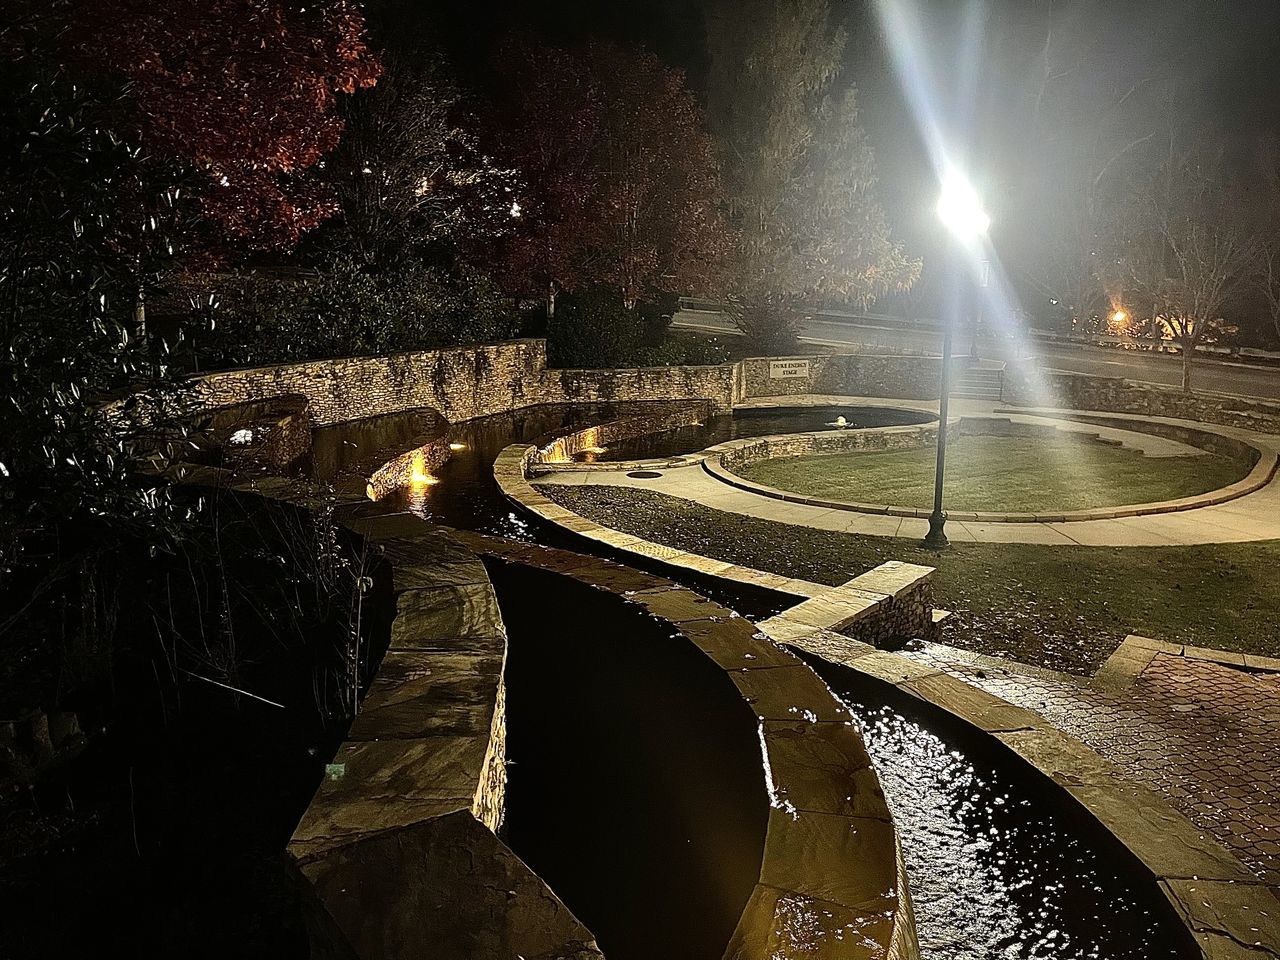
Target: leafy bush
594	329
768	329
345	309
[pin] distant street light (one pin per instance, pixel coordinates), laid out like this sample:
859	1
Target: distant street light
960	210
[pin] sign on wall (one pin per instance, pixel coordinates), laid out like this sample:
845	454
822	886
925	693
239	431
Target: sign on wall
788	369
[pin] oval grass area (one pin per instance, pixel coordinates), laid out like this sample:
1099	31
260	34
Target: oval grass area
1002	475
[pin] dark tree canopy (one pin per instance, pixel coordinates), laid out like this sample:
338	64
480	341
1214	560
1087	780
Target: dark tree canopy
799	170
243	90
621	182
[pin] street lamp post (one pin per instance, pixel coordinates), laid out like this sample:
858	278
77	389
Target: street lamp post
961	212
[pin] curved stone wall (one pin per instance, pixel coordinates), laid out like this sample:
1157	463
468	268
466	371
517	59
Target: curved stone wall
831	877
740	454
271	434
412	466
726	461
665	416
397	852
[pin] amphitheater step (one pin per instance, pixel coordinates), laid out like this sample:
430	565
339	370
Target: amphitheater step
979	383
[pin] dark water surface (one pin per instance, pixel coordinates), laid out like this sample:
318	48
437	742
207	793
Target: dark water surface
635	782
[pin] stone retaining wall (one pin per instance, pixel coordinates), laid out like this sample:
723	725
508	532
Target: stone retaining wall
1115	395
714	383
276	432
664	417
467	382
400	471
461	382
889	603
850	375
740	454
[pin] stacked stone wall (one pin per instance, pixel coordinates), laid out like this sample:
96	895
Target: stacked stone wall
665	416
714	383
462	383
276	432
741	454
852	375
1116	395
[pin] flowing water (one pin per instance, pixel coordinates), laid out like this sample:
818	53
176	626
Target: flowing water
621	807
1001	863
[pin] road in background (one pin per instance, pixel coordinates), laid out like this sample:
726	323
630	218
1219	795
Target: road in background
1218	376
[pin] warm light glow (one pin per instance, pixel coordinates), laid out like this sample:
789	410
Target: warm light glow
455	446
594	450
960	209
418	475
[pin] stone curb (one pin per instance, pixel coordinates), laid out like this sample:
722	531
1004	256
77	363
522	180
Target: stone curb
509	470
831	858
1136	652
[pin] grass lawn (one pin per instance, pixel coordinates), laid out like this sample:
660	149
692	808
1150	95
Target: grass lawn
1003	474
1060	607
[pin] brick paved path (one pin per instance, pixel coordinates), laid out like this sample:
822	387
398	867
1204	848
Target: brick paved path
1204	735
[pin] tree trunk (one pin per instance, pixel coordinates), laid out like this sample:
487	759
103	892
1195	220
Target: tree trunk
140	314
1188	353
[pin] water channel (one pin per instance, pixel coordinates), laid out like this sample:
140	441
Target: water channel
622	809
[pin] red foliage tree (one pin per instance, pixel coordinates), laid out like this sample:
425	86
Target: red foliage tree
243	89
547	128
622	183
657	220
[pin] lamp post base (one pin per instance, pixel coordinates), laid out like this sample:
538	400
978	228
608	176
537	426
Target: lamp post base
936	538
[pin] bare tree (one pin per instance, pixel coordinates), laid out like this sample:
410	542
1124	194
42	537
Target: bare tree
1084	131
1182	244
1268	276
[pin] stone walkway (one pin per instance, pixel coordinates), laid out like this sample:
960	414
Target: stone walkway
1204	735
1253	517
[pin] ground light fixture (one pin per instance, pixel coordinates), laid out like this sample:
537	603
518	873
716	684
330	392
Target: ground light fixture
961	212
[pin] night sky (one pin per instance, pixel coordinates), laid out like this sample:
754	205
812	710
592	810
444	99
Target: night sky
1218	56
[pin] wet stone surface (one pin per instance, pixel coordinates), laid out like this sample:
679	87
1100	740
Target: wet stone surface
1203	735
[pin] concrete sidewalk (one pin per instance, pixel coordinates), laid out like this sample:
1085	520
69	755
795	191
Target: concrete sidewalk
1253	517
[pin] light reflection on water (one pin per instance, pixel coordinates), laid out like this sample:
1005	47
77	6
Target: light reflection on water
996	872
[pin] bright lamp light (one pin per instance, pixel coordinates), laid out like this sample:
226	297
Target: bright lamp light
960	209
